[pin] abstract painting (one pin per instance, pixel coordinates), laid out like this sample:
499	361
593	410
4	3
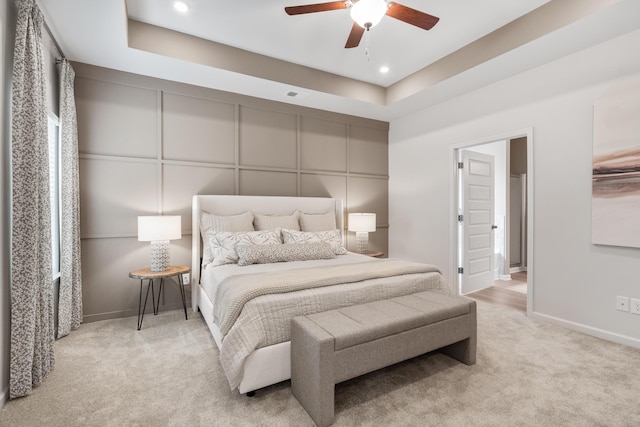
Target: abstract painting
615	206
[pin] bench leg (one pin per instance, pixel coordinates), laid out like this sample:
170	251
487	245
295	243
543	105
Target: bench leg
461	351
312	370
465	350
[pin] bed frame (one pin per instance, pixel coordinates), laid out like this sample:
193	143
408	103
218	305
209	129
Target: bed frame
272	364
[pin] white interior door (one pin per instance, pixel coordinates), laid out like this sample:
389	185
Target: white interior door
477	223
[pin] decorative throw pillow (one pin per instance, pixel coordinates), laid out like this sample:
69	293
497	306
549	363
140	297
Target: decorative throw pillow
271	222
210	222
332	237
318	222
223	243
251	254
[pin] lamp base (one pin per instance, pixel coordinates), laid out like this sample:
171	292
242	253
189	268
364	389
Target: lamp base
362	242
160	256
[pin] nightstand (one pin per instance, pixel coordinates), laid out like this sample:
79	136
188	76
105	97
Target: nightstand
375	254
147	274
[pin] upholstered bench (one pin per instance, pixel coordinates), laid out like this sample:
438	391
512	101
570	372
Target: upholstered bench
334	346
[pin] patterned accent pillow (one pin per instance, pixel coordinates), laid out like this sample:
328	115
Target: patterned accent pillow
265	254
210	222
224	243
318	222
271	222
332	237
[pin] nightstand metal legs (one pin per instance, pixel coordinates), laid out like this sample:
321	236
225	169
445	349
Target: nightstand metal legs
182	294
141	308
147	274
156	305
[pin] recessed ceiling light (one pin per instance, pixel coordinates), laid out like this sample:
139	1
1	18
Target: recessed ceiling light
384	69
181	6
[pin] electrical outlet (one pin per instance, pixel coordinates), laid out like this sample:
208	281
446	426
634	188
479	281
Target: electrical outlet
185	278
635	305
622	303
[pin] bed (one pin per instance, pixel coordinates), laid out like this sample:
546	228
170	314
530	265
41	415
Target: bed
247	302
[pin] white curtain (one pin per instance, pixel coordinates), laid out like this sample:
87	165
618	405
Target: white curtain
70	297
32	323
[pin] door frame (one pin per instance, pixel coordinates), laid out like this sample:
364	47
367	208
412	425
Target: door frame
453	206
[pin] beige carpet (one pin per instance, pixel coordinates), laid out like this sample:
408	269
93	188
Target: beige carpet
527	374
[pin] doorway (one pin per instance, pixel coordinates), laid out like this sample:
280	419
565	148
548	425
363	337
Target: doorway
512	224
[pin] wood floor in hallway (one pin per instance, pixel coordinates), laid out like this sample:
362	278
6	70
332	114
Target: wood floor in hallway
511	293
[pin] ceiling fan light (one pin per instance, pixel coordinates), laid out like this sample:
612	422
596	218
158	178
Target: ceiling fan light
367	13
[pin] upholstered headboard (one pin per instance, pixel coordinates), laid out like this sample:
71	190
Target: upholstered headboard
233	205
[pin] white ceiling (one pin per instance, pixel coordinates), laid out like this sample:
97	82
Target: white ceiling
317	40
95	32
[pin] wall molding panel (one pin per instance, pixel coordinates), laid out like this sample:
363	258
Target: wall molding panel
148	145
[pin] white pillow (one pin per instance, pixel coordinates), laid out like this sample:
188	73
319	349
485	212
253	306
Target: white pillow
332	237
223	243
265	254
318	222
210	222
271	222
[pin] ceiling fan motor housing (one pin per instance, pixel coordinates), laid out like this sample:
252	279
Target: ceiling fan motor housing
368	13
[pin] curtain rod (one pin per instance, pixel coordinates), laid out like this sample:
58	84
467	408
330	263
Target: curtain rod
53	39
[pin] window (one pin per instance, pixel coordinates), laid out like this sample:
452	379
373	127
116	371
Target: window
54	185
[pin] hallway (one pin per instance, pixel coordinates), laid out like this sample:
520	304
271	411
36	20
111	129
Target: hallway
510	293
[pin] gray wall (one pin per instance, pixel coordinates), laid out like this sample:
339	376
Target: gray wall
7	26
575	283
148	145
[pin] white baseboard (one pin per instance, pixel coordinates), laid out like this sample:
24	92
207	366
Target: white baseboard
505	277
595	332
517	269
133	312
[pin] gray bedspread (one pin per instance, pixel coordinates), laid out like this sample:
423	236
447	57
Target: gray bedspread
235	291
255	310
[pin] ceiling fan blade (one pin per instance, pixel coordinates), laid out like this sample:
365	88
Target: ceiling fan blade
412	16
312	8
354	36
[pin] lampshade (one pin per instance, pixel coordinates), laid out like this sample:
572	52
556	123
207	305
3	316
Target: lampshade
367	13
154	228
159	230
362	222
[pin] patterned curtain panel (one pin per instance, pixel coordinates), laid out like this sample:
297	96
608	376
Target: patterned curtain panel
32	326
70	299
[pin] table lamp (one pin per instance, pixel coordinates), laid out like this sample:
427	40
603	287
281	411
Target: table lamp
362	224
159	230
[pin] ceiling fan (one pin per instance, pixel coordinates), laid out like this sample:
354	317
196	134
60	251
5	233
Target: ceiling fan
367	13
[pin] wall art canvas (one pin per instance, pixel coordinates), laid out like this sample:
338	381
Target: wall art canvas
615	206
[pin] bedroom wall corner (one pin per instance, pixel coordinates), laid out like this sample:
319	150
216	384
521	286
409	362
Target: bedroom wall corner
148	145
7	35
575	281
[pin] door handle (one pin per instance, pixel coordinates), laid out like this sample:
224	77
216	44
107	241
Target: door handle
493	227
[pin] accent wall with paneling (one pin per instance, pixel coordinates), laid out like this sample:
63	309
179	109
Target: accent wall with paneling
148	145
